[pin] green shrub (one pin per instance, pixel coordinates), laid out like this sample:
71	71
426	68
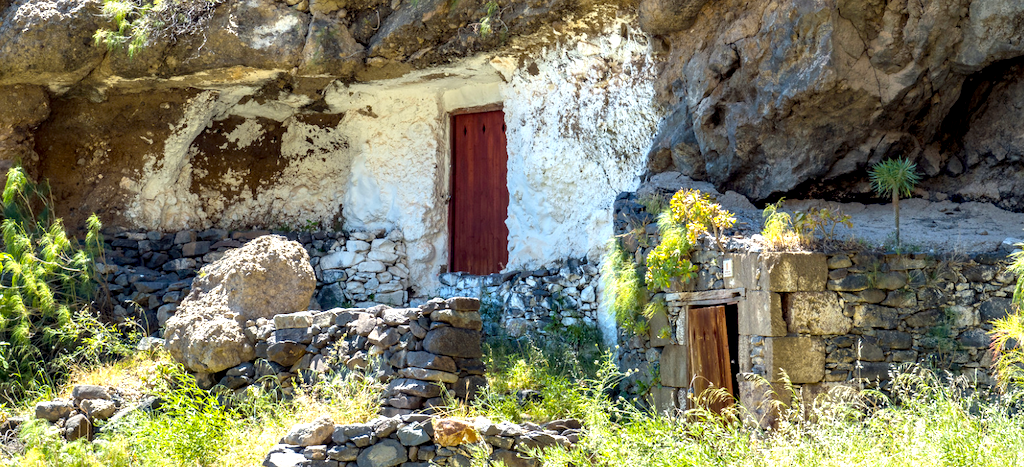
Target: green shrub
625	292
45	321
670	260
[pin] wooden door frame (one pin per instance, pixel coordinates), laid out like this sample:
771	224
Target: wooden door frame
450	125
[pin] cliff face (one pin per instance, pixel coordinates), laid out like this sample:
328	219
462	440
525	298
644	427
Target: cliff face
763	97
800	97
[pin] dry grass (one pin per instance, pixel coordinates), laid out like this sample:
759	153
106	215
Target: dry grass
135	374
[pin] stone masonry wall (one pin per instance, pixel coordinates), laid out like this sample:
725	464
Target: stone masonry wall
562	295
825	319
418	440
154	270
418	351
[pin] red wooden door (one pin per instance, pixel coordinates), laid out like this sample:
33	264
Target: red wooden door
479	195
709	353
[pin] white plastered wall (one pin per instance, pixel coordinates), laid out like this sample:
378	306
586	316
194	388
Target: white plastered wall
580	120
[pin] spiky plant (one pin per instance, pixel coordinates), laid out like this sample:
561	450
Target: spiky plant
895	178
45	286
1008	333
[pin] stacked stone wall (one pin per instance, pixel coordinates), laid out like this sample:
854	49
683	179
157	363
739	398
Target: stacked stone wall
420	352
562	295
418	441
826	319
149	273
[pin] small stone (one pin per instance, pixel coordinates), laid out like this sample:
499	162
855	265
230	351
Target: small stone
53	410
89	391
343	453
386	453
459	319
318	431
77	427
317	452
428	375
300	320
98	409
413	435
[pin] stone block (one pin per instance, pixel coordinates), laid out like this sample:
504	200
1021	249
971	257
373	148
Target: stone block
802	358
816	313
839	262
874	316
758	397
744	271
925	319
760	314
850	283
964	316
796	272
872	371
894	339
995	308
901	299
673	366
821	394
891	280
453	342
299	320
655	328
663	399
975	339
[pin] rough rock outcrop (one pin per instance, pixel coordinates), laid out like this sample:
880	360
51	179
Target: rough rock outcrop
49	42
267	276
768	97
22	108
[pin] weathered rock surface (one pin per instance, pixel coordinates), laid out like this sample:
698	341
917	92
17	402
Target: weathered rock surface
318	431
767	97
49	42
267	276
22	109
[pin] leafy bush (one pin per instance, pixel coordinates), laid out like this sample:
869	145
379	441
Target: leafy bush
691	214
698	213
1008	332
45	321
779	233
785	232
671	258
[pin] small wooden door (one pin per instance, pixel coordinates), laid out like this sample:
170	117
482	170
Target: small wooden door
709	352
479	194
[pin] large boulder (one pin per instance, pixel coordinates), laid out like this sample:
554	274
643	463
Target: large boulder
267	276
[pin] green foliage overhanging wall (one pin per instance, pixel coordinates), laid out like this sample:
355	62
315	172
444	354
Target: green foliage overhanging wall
690	215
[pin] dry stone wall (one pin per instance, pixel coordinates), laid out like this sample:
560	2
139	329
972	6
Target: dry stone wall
533	301
149	273
418	440
420	351
826	319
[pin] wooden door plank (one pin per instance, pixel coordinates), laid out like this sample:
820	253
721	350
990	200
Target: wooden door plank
479	199
709	352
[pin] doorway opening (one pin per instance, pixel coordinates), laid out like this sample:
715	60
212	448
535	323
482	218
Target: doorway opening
713	335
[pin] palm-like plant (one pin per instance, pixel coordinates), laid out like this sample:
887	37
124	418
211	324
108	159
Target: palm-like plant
895	177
